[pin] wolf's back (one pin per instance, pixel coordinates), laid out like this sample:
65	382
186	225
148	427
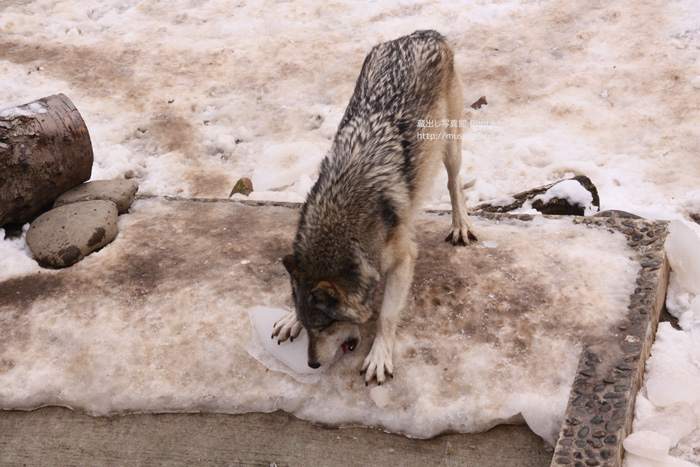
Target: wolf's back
366	181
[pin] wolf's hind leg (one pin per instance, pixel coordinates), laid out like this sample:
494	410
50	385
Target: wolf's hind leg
461	230
288	327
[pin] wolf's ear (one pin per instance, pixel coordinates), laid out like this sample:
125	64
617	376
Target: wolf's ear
324	296
325	288
290	263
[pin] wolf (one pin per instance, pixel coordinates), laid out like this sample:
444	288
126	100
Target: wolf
357	224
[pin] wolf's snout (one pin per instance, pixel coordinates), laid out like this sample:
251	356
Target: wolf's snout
314	365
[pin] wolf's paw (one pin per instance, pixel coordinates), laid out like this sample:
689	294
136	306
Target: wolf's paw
460	235
378	364
288	327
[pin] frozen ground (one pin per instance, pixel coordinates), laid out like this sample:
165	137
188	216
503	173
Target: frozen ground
158	322
188	96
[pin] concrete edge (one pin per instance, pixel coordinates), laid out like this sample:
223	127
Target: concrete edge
610	373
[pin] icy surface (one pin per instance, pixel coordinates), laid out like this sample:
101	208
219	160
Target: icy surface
669	402
650	449
291	354
648	444
159	321
683	250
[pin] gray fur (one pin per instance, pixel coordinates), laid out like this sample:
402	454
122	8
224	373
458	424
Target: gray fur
357	222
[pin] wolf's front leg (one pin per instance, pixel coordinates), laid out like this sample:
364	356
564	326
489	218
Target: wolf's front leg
379	361
288	327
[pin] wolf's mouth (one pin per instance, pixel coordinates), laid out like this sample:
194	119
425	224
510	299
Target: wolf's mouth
350	345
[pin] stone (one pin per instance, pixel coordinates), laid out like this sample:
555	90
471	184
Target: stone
620	214
243	186
120	192
63	236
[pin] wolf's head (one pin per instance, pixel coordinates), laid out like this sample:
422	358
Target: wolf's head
330	310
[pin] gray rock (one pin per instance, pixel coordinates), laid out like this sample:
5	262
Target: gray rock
120	192
63	236
617	213
558	207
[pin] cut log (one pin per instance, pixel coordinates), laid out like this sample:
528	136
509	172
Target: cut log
45	150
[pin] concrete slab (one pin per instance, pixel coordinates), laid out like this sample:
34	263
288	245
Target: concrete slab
168	255
57	437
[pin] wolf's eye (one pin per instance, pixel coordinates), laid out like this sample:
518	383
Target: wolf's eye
324	327
320	320
322	300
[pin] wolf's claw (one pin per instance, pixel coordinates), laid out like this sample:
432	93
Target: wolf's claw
460	236
377	364
288	327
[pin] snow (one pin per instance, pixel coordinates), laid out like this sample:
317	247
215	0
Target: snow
648	444
683	250
16	112
23	111
650	449
287	167
668	405
37	108
187	97
380	396
569	190
16	258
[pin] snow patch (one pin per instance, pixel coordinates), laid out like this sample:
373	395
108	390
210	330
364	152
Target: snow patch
16	259
571	191
667	410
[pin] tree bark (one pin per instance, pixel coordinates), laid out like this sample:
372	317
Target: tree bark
45	150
